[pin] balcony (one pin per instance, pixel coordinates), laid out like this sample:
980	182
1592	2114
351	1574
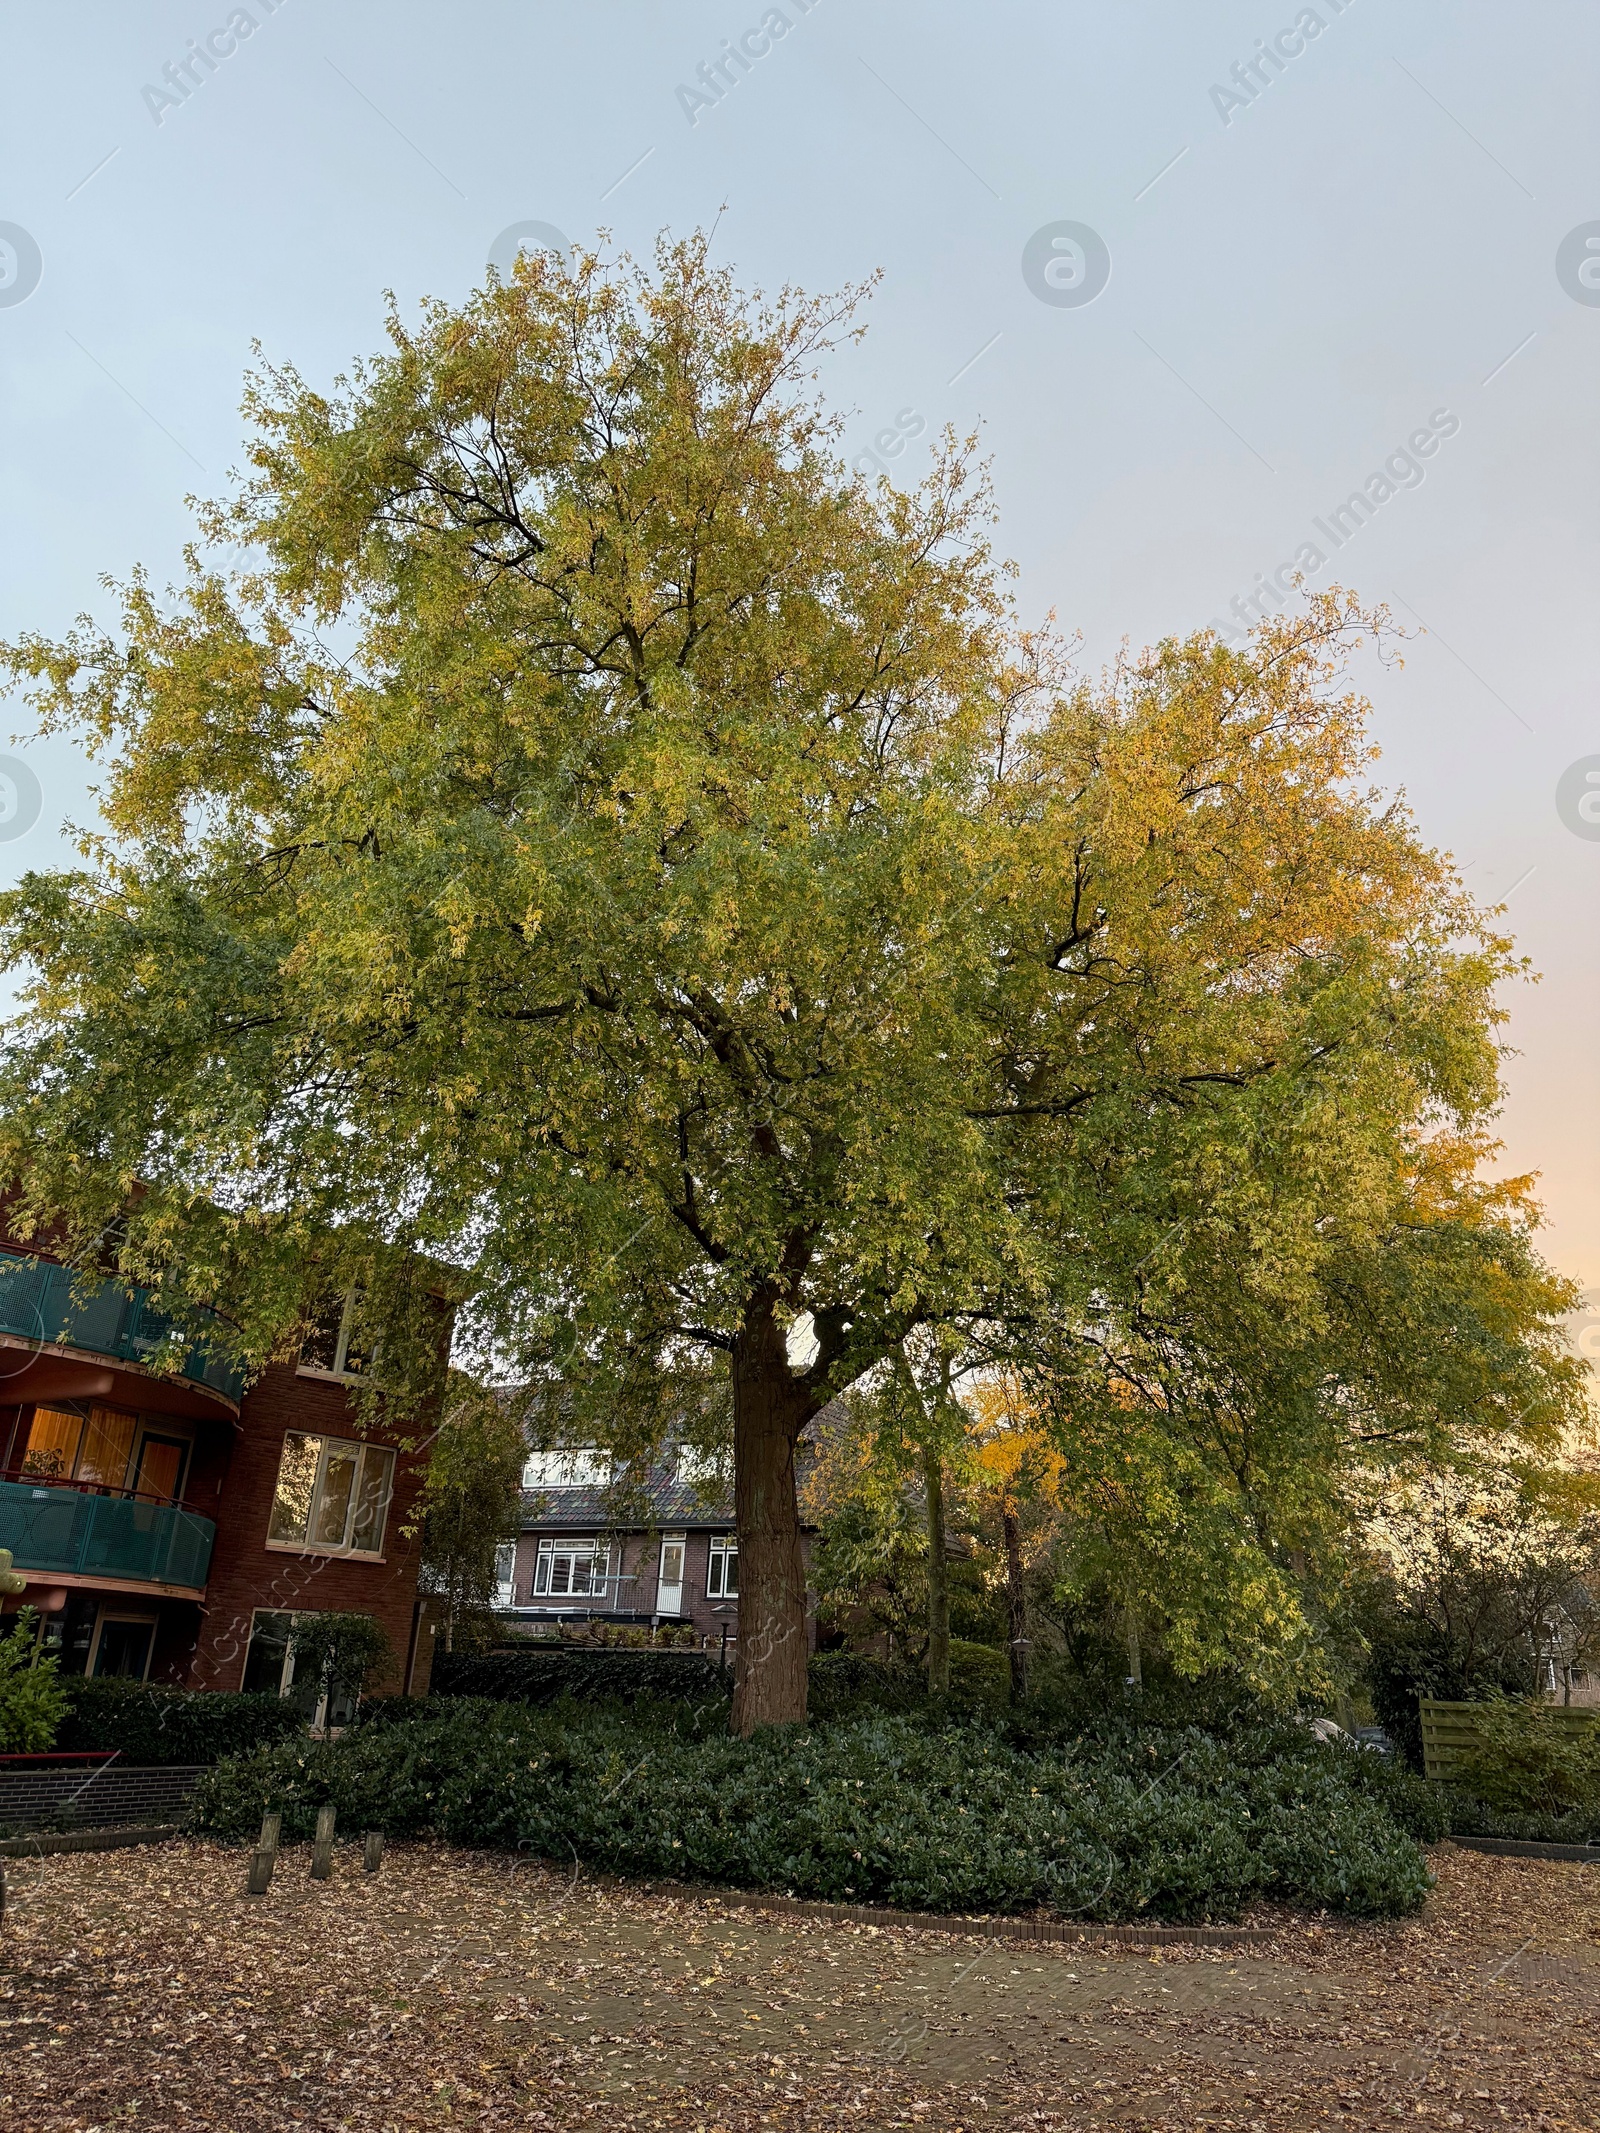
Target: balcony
114	1538
56	1307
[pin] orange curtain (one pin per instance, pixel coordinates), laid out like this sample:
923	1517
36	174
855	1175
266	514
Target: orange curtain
51	1451
107	1443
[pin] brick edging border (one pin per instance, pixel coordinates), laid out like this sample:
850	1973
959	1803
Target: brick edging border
86	1840
1525	1848
981	1928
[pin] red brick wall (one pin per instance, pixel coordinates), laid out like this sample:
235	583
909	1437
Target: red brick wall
246	1574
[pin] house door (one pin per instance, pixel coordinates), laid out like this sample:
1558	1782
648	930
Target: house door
160	1470
669	1583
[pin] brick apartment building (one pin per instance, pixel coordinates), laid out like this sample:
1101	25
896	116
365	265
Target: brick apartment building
171	1527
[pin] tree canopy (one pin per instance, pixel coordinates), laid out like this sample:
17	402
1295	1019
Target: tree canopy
598	840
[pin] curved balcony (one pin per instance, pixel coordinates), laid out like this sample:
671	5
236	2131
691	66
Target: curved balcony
54	1307
104	1537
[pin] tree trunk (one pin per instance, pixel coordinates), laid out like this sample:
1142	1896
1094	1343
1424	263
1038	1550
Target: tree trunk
1016	1605
938	1575
769	1674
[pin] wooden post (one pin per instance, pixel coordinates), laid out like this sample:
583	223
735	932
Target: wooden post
268	1841
322	1849
372	1851
261	1865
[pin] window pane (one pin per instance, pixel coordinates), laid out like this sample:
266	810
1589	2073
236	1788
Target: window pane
124	1650
672	1562
320	1348
730	1574
297	1477
541	1571
106	1444
330	1521
561	1573
51	1451
372	1499
356	1356
269	1646
567	1470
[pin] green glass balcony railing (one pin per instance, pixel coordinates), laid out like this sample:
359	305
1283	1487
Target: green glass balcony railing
38	1301
73	1533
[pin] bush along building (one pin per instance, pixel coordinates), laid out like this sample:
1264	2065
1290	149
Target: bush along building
652	1549
175	1527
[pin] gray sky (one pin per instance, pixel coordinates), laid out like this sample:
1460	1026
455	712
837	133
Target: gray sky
1310	264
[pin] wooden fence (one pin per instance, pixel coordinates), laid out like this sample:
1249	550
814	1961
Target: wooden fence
1448	1729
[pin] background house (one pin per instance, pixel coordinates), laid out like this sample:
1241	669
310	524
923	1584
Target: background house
652	1547
172	1527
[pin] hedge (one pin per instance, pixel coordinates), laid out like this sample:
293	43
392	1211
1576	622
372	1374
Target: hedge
586	1673
156	1725
947	1817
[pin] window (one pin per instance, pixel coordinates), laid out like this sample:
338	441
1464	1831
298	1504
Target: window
331	1348
269	1668
572	1569
704	1472
106	1449
332	1496
122	1646
567	1470
722	1568
505	1575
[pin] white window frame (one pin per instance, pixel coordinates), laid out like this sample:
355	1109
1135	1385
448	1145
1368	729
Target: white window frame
339	1375
724	1550
370	1458
505	1575
577	1547
567	1468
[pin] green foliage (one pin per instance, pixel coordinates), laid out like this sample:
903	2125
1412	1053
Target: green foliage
472	1503
634	858
339	1653
32	1697
586	1674
926	1815
1530	1758
1481	1584
149	1724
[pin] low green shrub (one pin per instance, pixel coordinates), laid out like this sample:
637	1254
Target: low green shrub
32	1697
1531	1759
586	1673
898	1809
156	1725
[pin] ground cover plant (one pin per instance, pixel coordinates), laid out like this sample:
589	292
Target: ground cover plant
906	1809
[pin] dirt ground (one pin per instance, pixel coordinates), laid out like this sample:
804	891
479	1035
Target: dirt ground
143	1987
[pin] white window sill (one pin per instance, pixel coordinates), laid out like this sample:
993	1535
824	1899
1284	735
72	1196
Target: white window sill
330	1377
334	1555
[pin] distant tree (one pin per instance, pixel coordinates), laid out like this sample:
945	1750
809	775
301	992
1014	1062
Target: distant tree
472	1502
1472	1588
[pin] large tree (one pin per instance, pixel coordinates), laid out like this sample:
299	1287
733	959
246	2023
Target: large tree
601	843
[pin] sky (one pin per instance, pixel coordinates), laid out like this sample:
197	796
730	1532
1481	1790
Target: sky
1196	275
